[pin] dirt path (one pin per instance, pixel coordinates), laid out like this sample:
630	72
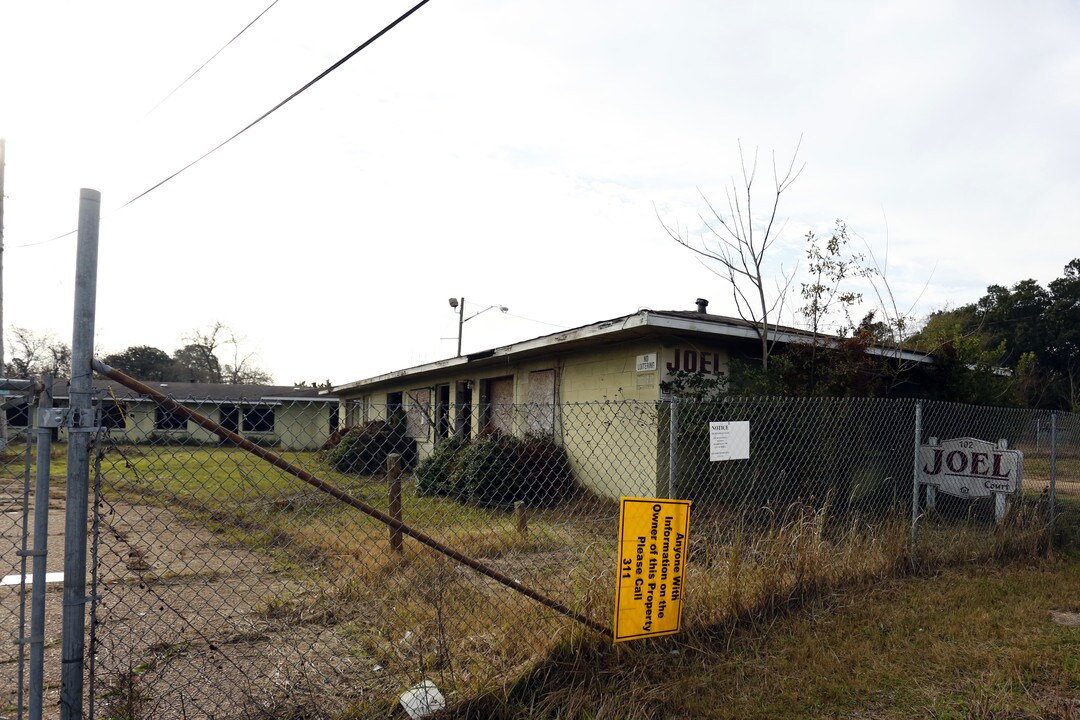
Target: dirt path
186	623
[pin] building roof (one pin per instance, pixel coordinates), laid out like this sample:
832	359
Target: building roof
642	324
205	392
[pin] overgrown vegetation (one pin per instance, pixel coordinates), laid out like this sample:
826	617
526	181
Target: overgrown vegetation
363	449
1032	330
979	642
416	614
498	469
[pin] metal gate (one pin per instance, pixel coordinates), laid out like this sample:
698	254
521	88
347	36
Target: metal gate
25	502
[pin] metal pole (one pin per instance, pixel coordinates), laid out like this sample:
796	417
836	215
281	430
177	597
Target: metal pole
78	474
41	539
1053	467
393	489
3	416
460	323
673	447
915	484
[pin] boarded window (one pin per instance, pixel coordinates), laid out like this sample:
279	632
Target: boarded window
540	403
499	404
418	413
259	419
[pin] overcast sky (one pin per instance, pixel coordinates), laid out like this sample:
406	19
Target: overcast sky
514	153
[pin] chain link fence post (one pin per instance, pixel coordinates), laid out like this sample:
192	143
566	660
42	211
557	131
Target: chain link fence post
915	485
393	489
78	473
673	446
1053	467
43	434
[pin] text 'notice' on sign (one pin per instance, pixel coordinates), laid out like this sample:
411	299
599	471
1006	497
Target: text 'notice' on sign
729	440
653	548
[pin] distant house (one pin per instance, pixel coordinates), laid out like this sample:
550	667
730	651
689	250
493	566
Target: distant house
524	388
295	418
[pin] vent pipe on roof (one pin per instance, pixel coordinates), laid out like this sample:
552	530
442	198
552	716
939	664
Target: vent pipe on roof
702	305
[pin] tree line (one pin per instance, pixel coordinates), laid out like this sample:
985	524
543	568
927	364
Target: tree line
1017	345
1025	338
212	355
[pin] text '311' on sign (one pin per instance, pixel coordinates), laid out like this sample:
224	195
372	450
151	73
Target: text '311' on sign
654	544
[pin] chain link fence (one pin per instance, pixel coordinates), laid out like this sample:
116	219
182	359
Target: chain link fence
19	503
225	586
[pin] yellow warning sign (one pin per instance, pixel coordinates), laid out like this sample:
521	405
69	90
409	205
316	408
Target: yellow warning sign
653	549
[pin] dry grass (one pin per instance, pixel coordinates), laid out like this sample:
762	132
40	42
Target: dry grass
419	615
978	641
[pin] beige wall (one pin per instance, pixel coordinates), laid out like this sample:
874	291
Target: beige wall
613	450
298	425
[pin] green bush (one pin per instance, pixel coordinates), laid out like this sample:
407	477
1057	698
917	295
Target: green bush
434	474
501	469
364	448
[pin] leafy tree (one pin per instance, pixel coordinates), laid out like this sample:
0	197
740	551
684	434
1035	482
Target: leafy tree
1030	330
197	363
829	264
145	363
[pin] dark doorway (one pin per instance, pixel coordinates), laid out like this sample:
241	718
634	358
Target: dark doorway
463	407
442	411
230	418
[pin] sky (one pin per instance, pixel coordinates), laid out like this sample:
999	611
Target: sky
518	154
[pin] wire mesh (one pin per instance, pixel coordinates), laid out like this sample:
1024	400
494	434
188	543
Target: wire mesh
229	588
17	503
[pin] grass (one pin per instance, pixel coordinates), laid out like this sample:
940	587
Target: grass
969	642
419	614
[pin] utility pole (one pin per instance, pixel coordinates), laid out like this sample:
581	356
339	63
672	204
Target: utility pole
460	322
3	411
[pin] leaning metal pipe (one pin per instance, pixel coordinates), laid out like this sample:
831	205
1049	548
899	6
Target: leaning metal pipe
336	492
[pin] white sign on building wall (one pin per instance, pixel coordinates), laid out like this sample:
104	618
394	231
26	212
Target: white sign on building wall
646	362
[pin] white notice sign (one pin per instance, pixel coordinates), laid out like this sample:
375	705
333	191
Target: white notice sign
729	440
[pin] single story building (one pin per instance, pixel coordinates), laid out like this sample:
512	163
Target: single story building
530	387
294	418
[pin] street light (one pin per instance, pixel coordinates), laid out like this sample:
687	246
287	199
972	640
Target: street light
459	305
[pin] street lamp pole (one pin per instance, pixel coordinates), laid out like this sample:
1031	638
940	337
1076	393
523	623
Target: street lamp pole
459	305
460	323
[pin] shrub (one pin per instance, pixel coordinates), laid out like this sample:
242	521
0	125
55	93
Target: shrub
501	469
434	474
364	448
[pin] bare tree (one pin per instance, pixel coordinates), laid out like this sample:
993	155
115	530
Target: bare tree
740	245
200	358
35	353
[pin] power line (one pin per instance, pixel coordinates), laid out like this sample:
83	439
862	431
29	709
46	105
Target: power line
199	69
274	109
259	119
